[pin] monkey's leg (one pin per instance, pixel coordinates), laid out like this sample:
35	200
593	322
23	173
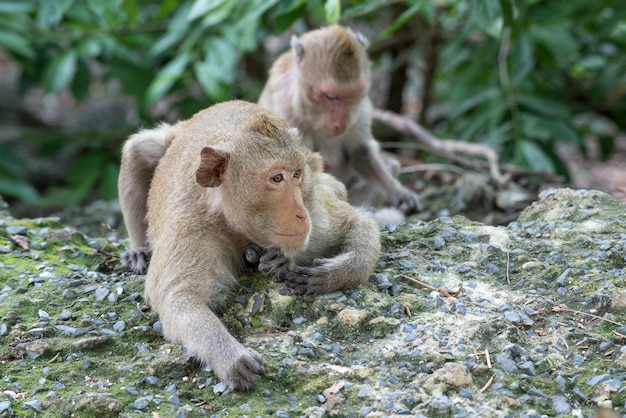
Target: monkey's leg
140	156
187	320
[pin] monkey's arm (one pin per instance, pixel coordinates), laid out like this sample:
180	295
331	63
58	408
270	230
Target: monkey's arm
344	248
183	292
368	161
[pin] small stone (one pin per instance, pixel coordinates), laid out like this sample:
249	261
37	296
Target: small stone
351	316
65	315
16	230
174	400
34	405
466	393
560	405
366	410
366	389
537	392
141	403
440	403
220	388
101	293
597	379
5	406
578	360
512	317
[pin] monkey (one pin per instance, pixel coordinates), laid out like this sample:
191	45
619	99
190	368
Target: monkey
141	154
235	176
321	86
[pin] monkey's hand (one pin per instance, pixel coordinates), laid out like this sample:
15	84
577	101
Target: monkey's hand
404	199
323	276
274	264
242	370
137	260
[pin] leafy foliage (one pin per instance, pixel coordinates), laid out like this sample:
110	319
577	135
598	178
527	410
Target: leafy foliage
510	74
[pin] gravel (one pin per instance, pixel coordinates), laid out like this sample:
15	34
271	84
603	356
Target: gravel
538	328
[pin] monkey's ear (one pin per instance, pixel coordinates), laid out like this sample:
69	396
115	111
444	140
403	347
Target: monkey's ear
213	163
362	39
298	49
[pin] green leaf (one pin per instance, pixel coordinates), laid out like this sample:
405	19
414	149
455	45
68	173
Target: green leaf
507	13
365	8
213	88
219	14
82	81
404	17
221	59
59	72
132	11
332	8
203	7
16	44
19	189
50	12
544	106
535	157
13	7
177	28
166	78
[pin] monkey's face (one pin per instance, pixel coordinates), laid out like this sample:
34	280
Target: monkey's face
335	106
275	214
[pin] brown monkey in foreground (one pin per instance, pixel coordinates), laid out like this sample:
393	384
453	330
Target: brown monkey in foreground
321	86
232	176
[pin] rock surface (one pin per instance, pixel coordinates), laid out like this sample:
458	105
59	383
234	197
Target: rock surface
538	327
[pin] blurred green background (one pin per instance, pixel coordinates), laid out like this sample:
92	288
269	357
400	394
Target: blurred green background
78	76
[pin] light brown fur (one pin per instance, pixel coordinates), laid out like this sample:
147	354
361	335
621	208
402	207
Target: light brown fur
321	87
233	176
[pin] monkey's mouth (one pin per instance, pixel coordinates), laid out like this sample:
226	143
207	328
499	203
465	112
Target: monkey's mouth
290	239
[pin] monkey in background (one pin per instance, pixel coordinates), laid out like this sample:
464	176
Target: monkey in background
321	86
232	177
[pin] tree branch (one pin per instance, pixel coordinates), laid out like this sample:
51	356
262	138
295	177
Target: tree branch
443	148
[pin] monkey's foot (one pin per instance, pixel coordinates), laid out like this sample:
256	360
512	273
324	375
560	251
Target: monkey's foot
243	371
137	260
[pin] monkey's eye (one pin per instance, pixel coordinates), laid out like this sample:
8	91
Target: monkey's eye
331	96
278	178
297	174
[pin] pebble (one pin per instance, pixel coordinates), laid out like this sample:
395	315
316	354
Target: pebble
597	379
220	388
440	404
560	405
141	403
35	405
16	230
365	390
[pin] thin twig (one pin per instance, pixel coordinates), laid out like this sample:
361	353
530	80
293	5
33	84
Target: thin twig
484	388
508	267
559	308
441	290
